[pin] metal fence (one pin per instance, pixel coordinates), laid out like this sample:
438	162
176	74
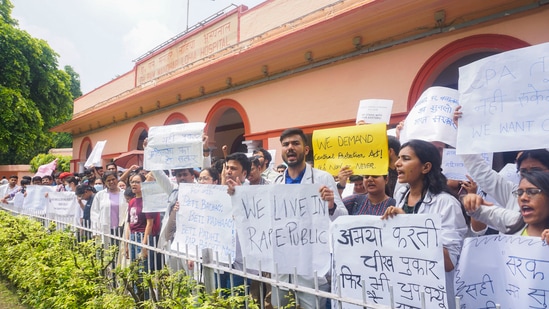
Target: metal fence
209	269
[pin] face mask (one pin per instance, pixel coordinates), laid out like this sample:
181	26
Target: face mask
98	187
68	188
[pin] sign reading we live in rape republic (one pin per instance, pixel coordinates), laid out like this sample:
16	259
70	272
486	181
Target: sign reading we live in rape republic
363	148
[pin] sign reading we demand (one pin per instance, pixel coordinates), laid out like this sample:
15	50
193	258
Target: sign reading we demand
364	148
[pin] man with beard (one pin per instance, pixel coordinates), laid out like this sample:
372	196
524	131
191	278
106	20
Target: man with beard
294	151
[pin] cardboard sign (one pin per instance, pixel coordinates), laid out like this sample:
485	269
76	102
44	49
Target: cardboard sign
364	148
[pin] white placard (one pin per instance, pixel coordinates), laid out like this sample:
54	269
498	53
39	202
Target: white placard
503	269
62	204
95	156
505	102
18	200
453	166
3	190
285	225
404	252
205	220
374	111
174	147
36	200
155	198
431	118
509	172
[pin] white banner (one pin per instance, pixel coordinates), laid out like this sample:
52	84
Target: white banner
431	118
503	269
155	198
285	225
36	200
205	220
95	156
404	252
505	102
62	204
453	166
174	147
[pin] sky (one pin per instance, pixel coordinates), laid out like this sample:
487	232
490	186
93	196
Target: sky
101	38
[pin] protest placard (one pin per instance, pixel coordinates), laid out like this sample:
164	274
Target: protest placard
374	111
453	166
371	255
509	172
431	118
62	204
205	220
505	102
95	156
174	146
364	148
35	200
155	198
3	190
503	269
283	225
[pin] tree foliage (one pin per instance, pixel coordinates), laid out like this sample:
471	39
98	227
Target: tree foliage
34	94
63	162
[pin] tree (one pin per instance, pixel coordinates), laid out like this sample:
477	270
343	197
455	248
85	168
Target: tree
34	94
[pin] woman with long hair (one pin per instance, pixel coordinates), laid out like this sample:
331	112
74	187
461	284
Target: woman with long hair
374	202
419	167
532	196
141	227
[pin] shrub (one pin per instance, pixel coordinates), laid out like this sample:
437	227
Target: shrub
50	269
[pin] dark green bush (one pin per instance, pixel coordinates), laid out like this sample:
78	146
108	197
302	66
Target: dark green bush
51	269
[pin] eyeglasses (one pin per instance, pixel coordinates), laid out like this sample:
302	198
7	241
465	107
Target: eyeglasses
529	192
204	178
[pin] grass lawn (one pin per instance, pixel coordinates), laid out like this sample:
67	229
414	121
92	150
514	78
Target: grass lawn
8	297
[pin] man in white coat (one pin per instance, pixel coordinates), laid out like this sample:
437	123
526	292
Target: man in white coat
294	151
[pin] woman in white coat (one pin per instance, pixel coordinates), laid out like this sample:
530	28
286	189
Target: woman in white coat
109	209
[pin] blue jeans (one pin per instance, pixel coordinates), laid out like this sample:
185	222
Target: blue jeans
225	281
153	261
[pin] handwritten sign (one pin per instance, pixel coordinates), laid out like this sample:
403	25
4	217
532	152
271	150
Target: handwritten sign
404	252
431	118
374	111
505	102
174	146
62	204
363	148
155	198
509	172
503	269
36	200
453	166
205	220
277	222
95	156
3	190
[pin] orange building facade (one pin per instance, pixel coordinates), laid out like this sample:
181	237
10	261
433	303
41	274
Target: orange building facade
250	74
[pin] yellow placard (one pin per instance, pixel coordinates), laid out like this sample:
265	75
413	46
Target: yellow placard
364	148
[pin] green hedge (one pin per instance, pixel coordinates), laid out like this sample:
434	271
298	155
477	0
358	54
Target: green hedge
51	269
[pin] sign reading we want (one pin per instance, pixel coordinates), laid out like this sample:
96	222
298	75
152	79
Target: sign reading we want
364	148
505	102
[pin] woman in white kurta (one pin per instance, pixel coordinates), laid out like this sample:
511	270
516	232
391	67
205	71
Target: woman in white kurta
109	208
419	166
